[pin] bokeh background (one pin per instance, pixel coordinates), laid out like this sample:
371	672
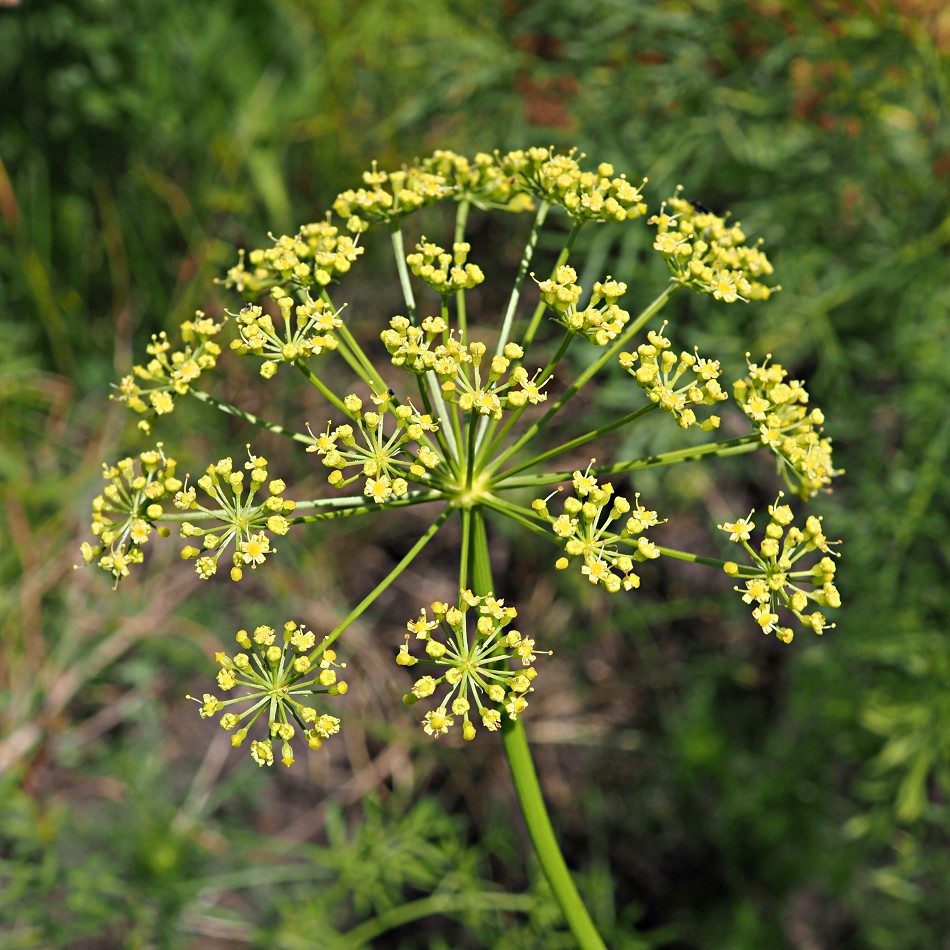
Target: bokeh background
713	788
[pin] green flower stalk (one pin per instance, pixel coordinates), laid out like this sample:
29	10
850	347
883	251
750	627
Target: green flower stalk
463	420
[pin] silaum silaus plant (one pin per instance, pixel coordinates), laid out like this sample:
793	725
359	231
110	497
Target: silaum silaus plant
473	420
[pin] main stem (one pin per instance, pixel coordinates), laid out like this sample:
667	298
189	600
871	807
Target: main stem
527	787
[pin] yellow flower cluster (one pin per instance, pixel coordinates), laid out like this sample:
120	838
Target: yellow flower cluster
586	532
479	180
389	196
124	515
585	195
706	254
386	461
244	520
152	388
600	321
316	255
478	675
660	372
307	331
771	581
780	412
459	367
443	272
274	675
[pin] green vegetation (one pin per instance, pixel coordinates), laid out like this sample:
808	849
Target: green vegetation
711	787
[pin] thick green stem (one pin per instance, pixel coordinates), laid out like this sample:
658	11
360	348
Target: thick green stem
527	787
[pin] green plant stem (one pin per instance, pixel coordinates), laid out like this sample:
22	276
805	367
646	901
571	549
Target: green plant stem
357	505
501	481
446	904
461	219
230	410
343	507
410	556
363	367
496	441
515	297
526	517
527	787
743	570
327	393
513	300
400	253
737	446
445	436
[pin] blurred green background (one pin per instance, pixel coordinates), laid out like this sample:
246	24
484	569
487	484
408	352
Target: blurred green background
713	789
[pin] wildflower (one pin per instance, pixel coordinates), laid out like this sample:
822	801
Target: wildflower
388	461
311	259
151	388
276	679
242	518
480	181
660	371
597	324
585	195
772	582
779	411
708	255
308	331
457	438
478	677
444	272
603	529
476	385
389	196
125	514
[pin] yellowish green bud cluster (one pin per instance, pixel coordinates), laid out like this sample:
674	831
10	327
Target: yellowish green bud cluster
478	678
124	515
772	583
596	526
780	412
468	375
308	330
479	181
389	196
660	372
152	388
388	462
445	273
316	255
275	674
600	321
709	255
242	518
585	195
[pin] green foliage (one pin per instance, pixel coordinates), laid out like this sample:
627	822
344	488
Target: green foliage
751	800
